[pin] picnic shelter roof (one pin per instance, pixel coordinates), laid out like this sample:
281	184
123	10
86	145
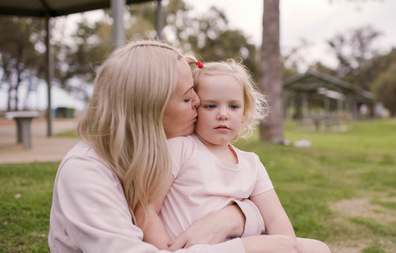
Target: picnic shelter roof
313	80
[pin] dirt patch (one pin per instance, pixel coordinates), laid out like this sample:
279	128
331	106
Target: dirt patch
363	208
341	248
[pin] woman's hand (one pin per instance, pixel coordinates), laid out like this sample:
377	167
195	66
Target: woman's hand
212	228
272	244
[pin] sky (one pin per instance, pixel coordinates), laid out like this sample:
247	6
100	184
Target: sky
314	21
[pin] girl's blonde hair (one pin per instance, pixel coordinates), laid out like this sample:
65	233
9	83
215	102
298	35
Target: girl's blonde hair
124	120
255	103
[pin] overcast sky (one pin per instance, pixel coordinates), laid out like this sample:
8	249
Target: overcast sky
312	20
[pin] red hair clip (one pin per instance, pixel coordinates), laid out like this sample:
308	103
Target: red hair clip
199	64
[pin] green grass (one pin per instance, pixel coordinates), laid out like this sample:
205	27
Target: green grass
357	164
347	166
69	133
26	192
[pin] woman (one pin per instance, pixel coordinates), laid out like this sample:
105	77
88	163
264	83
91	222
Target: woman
143	95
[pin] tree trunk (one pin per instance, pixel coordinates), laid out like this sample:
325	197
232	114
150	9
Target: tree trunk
271	129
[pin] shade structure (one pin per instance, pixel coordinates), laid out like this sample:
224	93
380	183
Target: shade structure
54	8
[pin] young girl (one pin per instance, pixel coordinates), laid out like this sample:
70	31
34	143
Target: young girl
209	173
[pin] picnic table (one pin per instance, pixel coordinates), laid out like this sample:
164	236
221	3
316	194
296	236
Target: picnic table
23	120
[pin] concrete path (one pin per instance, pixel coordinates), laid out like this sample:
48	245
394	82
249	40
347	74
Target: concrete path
43	148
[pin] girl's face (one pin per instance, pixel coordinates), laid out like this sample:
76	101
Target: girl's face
221	112
181	112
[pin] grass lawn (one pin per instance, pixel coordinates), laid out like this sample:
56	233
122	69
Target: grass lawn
342	190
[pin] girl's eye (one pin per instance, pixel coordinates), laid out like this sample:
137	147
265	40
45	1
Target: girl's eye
210	106
233	107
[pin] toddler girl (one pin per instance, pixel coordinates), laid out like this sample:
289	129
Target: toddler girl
208	172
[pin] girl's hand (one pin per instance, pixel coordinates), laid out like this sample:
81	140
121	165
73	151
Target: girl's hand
272	244
212	228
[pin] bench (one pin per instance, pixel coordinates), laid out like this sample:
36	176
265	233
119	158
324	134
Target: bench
23	120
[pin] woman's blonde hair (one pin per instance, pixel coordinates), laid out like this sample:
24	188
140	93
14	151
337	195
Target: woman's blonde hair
124	120
255	103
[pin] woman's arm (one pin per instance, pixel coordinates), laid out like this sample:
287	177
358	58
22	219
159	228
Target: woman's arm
241	219
275	217
212	228
272	244
154	231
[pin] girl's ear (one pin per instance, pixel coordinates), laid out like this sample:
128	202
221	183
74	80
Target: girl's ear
243	118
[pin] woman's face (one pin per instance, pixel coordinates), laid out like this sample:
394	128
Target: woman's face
181	113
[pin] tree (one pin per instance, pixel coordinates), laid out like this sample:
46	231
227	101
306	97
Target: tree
21	49
355	53
208	36
76	62
271	74
384	88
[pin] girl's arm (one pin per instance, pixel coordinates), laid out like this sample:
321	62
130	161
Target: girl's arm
275	218
154	231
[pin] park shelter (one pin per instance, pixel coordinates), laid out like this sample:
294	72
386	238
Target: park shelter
54	8
315	89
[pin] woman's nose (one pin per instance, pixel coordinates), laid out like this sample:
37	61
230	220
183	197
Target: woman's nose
195	100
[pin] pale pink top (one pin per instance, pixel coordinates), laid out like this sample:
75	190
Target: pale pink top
89	211
204	183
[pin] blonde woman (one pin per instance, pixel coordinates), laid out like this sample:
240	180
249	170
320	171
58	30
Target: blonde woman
143	96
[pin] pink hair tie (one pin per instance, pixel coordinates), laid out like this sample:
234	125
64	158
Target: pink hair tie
199	64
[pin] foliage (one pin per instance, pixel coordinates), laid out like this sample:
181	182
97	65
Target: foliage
384	88
354	52
211	39
21	50
208	36
77	62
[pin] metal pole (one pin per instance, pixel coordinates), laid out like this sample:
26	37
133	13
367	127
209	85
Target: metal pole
160	22
285	98
50	68
117	11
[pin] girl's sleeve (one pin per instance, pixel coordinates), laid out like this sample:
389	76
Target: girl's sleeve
263	181
254	224
90	214
180	150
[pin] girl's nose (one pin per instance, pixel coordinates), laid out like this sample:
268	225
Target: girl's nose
222	115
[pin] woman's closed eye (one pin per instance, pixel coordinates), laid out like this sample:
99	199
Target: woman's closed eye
187	100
